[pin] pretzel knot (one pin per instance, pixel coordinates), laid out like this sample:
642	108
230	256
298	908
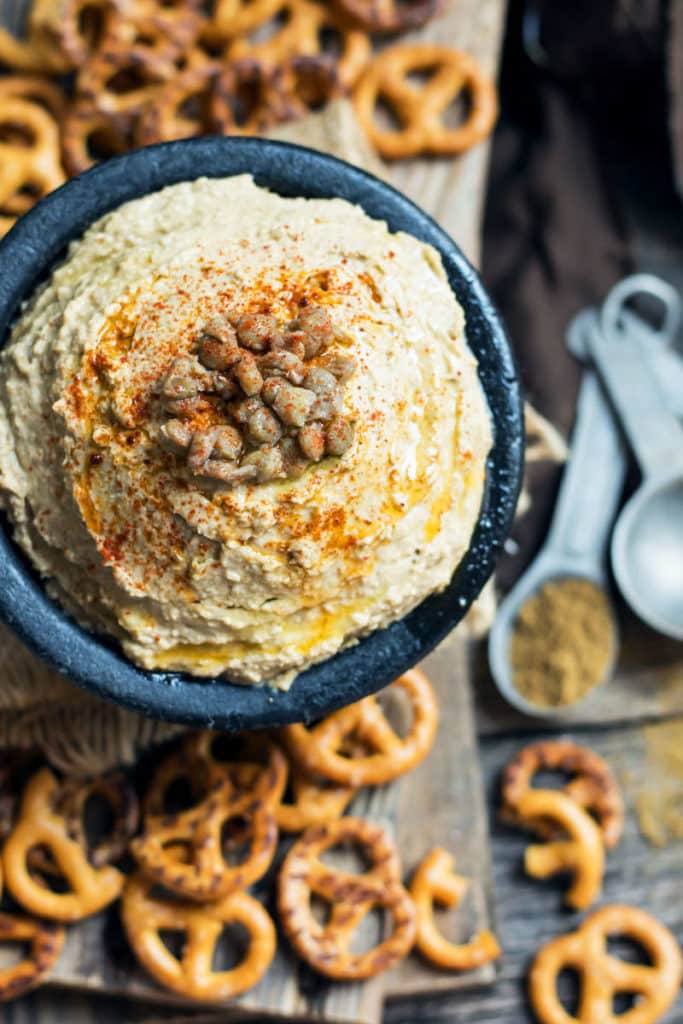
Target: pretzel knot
39	825
592	787
45	941
29	160
322	750
421	109
244	794
192	974
326	947
436	881
602	975
582	854
116	791
314	802
390	15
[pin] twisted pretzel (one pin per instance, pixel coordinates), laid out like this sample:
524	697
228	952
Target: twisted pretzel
320	750
71	800
582	854
144	917
390	15
29	161
233	18
39	824
45	941
421	109
603	975
204	873
305	84
351	897
181	110
89	135
593	786
38	90
314	802
436	881
38	52
76	28
244	99
292	36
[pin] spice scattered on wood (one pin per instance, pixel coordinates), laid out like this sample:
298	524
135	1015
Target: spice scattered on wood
562	642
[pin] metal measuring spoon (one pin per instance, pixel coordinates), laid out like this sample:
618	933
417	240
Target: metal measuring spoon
647	544
577	542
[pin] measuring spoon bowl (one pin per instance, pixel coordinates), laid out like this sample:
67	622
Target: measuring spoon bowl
647	554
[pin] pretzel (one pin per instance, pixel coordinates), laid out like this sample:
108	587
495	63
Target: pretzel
390	15
602	975
90	889
314	802
38	90
38	52
89	134
593	787
292	37
351	897
244	99
583	853
168	117
320	750
305	84
71	800
204	873
436	881
29	161
421	109
45	940
233	18
145	917
76	28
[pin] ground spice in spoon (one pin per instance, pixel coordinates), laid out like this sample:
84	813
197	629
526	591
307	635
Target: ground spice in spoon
562	642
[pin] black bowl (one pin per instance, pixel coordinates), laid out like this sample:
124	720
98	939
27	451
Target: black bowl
26	256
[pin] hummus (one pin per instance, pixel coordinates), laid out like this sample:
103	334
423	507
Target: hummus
197	558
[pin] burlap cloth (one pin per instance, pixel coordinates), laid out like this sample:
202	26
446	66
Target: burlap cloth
83	734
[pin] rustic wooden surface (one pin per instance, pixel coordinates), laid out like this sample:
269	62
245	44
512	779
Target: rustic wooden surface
440	803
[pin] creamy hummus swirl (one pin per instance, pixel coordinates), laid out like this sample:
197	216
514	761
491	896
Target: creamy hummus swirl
260	580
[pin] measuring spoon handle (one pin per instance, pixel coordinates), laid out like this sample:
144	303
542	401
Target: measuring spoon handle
593	479
655	434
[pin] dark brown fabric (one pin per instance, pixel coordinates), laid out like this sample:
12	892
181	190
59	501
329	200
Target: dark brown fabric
575	134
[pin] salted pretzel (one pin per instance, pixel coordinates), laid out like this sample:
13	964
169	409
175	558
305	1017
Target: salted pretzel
321	749
582	853
191	974
602	976
326	947
71	799
390	15
435	881
420	109
90	889
29	159
44	940
204	872
592	785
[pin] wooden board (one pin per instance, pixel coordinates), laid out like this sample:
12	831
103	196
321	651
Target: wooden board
440	803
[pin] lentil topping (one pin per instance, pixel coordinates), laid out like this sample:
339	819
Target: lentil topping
260	429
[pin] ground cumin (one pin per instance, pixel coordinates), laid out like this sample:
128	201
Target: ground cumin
562	642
